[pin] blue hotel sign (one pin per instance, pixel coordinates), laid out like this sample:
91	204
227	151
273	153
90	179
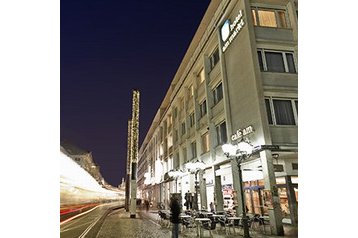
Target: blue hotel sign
229	30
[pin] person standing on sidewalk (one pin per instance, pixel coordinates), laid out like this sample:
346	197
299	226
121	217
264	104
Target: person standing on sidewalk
175	212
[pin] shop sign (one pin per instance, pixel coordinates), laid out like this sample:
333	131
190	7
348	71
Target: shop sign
242	132
266	147
229	30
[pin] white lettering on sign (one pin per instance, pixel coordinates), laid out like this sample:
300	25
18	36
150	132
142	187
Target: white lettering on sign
242	132
235	28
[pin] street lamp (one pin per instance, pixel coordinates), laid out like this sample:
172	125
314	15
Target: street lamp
240	152
195	167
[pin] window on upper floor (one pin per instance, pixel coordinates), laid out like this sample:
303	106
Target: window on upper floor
175	112
170	122
183	129
170	140
191	91
205	146
276	61
193	149
221	134
269	17
185	157
191	119
176	162
182	104
214	58
176	136
281	111
218	93
202	107
201	76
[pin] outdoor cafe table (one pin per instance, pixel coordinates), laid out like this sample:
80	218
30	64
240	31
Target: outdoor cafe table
206	214
219	215
199	221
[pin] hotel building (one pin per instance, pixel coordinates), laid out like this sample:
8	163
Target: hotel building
238	80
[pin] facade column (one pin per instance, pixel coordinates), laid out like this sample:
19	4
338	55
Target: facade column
237	186
274	211
292	203
202	187
218	193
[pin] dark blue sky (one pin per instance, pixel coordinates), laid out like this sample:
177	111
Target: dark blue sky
107	49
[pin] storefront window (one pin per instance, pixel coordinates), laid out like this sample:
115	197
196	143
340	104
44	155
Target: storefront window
284	202
280	180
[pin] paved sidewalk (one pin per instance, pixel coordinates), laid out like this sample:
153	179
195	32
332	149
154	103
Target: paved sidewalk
290	231
119	224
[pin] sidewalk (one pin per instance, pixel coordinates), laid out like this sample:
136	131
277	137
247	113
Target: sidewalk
146	224
289	230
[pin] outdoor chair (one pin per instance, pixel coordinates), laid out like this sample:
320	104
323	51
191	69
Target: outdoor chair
258	223
224	223
188	223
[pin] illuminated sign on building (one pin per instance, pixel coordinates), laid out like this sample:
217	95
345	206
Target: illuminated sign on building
230	30
242	132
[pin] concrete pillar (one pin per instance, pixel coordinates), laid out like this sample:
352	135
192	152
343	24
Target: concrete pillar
237	185
133	199
292	203
203	196
270	186
218	193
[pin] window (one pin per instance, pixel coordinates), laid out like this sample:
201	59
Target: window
201	76
280	111
185	157
175	112
214	58
294	166
183	128
182	104
170	123
202	108
276	61
278	167
170	141
218	93
269	17
191	90
176	136
221	133
192	119
193	149
176	161
205	143
268	110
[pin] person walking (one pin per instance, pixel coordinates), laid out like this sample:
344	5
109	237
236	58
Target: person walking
175	212
147	205
212	208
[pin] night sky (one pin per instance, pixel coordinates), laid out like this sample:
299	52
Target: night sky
109	48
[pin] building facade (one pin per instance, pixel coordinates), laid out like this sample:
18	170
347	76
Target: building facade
238	80
84	159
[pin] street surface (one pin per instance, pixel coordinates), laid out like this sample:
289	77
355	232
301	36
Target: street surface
119	224
107	221
84	226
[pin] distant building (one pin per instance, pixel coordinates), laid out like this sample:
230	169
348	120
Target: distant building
83	158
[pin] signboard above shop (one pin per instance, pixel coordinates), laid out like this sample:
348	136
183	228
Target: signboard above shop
242	132
229	30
